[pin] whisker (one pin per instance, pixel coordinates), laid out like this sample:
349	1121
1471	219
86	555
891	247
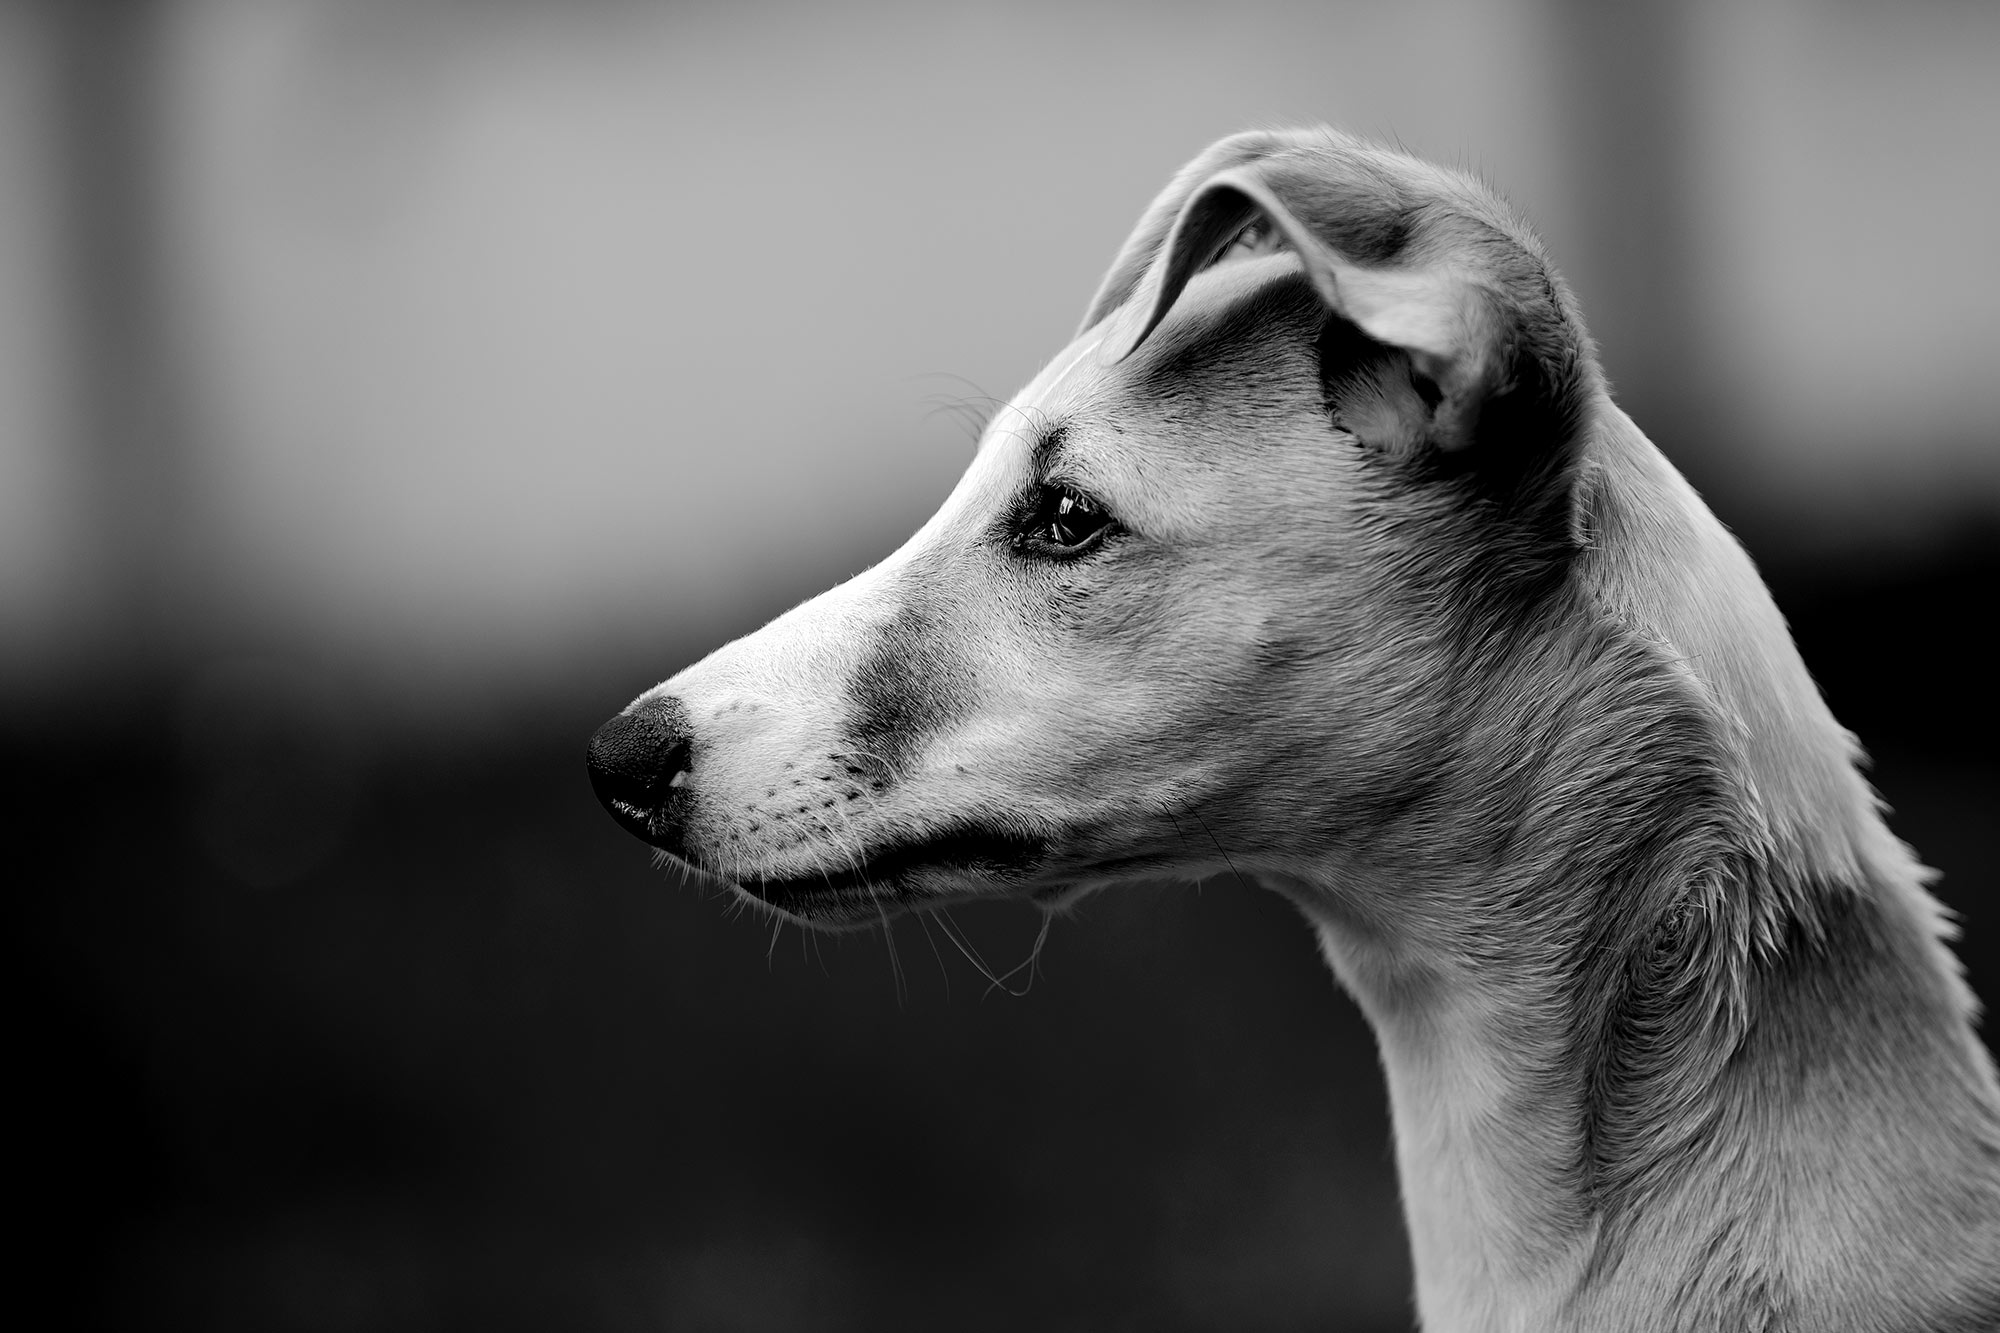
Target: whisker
1031	962
974	411
1218	846
1200	880
932	939
889	939
956	934
973	417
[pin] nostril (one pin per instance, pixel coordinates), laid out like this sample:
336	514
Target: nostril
637	757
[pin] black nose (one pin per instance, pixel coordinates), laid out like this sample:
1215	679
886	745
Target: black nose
635	759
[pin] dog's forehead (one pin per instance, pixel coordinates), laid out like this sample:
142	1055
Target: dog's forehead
1229	302
1084	377
1152	434
1073	380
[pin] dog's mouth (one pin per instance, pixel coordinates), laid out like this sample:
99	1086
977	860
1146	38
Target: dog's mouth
895	877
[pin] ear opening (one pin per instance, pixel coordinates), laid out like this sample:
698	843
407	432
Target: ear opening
1142	247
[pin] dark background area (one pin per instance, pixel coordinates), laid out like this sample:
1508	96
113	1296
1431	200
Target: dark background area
388	393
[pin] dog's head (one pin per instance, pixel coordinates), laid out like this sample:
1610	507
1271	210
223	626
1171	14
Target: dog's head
1196	600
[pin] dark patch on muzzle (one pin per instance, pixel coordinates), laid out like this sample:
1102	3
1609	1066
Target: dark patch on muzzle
912	684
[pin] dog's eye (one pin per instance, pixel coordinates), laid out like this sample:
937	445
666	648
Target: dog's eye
1062	522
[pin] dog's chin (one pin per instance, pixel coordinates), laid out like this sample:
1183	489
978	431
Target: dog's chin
965	863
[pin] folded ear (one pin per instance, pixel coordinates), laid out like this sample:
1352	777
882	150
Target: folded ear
1144	243
1488	340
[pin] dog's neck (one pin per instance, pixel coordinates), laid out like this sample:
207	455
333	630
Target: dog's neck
1612	1098
1767	1173
1648	1007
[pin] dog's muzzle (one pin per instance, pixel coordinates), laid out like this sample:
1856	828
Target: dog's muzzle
638	761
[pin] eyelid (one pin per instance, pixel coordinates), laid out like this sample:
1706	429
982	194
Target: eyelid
1060	474
1083	490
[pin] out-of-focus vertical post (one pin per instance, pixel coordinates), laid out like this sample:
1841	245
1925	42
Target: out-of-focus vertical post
1628	67
106	56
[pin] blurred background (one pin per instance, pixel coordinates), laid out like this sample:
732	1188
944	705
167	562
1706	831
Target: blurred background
391	389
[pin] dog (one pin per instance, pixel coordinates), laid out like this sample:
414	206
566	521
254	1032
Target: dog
1323	556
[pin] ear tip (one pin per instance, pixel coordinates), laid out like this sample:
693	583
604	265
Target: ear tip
1118	346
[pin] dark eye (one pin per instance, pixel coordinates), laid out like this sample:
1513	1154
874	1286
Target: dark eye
1062	522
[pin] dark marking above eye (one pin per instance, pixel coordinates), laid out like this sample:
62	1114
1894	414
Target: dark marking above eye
1043	457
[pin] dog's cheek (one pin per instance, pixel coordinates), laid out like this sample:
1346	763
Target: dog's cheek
1118	678
1203	659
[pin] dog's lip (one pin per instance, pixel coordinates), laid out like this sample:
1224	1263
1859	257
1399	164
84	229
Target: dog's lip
883	877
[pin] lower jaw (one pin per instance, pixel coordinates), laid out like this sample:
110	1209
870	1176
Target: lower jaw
970	865
815	903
